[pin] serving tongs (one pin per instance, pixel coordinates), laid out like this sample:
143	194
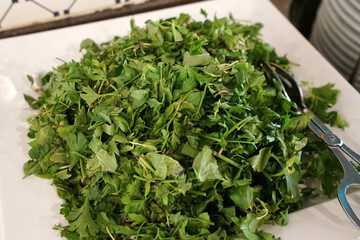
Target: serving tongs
293	92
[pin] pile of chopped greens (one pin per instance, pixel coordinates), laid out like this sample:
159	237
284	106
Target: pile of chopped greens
173	132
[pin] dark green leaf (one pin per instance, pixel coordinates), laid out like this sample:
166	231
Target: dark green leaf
33	103
259	162
242	196
203	12
82	221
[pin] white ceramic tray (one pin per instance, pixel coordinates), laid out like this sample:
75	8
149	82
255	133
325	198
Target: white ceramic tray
29	208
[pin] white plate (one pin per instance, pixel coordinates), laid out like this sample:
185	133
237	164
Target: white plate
29	208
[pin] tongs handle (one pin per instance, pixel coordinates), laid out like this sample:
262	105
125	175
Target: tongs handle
323	132
351	177
351	153
341	150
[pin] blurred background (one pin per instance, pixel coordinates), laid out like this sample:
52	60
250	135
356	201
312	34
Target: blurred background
332	26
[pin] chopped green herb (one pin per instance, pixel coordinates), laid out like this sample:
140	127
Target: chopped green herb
323	99
172	132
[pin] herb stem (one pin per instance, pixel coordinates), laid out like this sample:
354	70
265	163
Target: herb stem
101	85
82	168
95	125
228	160
177	109
238	125
80	155
161	91
146	164
63	104
170	185
138	232
211	138
64	167
198	193
239	141
108	231
133	79
201	100
140	178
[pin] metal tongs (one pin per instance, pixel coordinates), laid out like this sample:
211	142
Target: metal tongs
335	144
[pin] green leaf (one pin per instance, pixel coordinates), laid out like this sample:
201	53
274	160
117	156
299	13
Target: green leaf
283	217
184	188
196	60
139	97
242	196
90	96
76	143
164	165
256	81
259	161
92	193
31	167
121	123
125	230
189	150
177	35
46	78
104	160
203	12
299	143
33	103
89	45
206	166
82	221
326	93
62	175
322	99
65	131
290	191
120	138
60	157
292	183
45	135
31	79
337	120
137	218
288	169
187	78
196	47
298	123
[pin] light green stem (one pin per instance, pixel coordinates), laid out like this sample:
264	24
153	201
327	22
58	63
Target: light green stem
239	124
146	164
228	160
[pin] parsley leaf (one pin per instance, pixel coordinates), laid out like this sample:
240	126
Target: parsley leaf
83	223
104	160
